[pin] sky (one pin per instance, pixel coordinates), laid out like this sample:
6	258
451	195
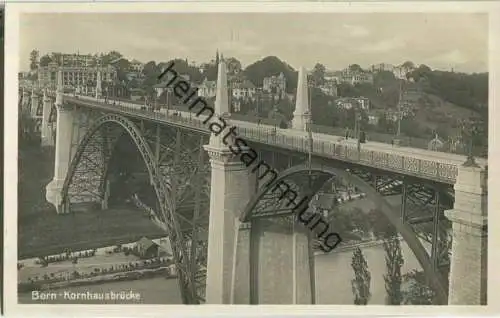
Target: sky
441	41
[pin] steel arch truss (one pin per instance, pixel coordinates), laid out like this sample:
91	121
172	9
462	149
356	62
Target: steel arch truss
308	180
184	168
86	181
422	208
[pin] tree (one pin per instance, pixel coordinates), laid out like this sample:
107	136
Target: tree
34	59
150	69
270	66
418	293
45	60
394	262
322	110
112	56
183	68
56	57
381	226
348	90
122	66
359	220
408	65
318	74
421	72
355	68
383	78
286	108
233	65
362	278
410	127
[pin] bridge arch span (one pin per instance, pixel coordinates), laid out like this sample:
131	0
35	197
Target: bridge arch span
298	176
165	217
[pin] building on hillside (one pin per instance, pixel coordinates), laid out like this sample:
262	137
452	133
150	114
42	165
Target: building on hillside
240	92
363	102
207	88
204	67
275	85
374	116
350	77
358	78
74	59
393	115
332	76
329	88
74	76
136	66
23	75
373	119
347	103
244	90
382	67
162	87
133	76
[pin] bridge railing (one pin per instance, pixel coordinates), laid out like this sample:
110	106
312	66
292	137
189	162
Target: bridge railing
439	171
404	141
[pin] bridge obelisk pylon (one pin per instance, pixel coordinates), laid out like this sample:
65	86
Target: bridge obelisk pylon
98	88
231	188
65	118
302	113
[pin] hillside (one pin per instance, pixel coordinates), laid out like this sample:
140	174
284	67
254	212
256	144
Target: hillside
435	108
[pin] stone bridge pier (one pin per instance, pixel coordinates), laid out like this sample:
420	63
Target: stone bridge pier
25	100
247	267
47	133
69	131
34	102
469	257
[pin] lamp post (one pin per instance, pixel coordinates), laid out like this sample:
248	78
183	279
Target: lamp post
310	237
469	131
398	132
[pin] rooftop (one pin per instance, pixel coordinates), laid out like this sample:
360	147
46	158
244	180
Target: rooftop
246	84
146	242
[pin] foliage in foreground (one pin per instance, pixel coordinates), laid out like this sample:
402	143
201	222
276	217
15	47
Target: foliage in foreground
362	278
393	278
417	292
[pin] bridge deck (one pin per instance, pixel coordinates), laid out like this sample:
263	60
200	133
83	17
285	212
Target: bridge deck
433	165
